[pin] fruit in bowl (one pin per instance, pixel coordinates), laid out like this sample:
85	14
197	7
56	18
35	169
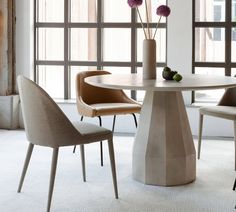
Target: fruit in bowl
168	74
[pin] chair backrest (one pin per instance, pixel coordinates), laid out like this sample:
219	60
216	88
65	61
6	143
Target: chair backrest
94	95
229	97
44	121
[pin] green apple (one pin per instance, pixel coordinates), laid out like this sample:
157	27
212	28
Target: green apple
177	77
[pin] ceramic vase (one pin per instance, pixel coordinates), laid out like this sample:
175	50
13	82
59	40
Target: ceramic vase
149	59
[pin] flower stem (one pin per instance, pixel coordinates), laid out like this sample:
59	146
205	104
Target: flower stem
148	28
157	27
141	22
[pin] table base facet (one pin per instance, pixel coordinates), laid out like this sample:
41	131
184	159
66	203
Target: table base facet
163	152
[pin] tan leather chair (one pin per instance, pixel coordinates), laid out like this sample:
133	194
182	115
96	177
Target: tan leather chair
96	102
46	125
226	108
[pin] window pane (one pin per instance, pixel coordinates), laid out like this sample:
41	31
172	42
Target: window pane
153	18
210	10
116	11
233	72
50	10
209	95
50	44
160	45
234	10
233	43
118	70
141	94
83	44
74	70
117	45
83	11
51	79
209	44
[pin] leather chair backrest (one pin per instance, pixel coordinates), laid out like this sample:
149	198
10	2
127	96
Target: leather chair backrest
94	95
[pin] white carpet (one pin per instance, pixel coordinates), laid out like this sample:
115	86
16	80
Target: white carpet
211	192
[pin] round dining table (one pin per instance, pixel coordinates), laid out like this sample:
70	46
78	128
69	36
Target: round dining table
163	150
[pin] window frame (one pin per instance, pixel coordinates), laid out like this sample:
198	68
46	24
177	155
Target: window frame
133	25
227	25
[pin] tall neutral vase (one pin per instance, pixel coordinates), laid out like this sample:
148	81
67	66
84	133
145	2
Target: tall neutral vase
149	59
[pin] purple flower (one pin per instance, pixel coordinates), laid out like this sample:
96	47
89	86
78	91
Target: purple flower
134	3
163	10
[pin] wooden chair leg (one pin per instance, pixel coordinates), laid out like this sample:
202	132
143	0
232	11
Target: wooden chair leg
52	177
113	166
200	135
135	120
83	161
81	119
101	147
27	160
235	145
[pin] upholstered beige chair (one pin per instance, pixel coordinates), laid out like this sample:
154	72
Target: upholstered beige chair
96	102
226	109
46	125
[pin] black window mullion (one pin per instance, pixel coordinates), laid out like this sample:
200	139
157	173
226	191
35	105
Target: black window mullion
66	50
99	34
228	34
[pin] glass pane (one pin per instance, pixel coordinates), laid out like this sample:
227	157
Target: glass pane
83	11
50	10
209	44
233	47
141	94
160	45
117	44
234	10
119	70
50	44
112	11
233	72
210	10
152	16
74	70
83	44
51	79
209	95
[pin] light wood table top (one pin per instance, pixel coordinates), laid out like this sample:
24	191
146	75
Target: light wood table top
135	82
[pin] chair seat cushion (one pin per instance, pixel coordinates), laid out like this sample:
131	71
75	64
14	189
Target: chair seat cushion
226	112
90	131
115	108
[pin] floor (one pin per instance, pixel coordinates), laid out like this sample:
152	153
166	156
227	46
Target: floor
211	192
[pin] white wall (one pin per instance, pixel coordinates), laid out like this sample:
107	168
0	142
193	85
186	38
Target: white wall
179	57
179	39
24	37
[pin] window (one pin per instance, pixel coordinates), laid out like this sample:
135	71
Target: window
77	35
214	47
